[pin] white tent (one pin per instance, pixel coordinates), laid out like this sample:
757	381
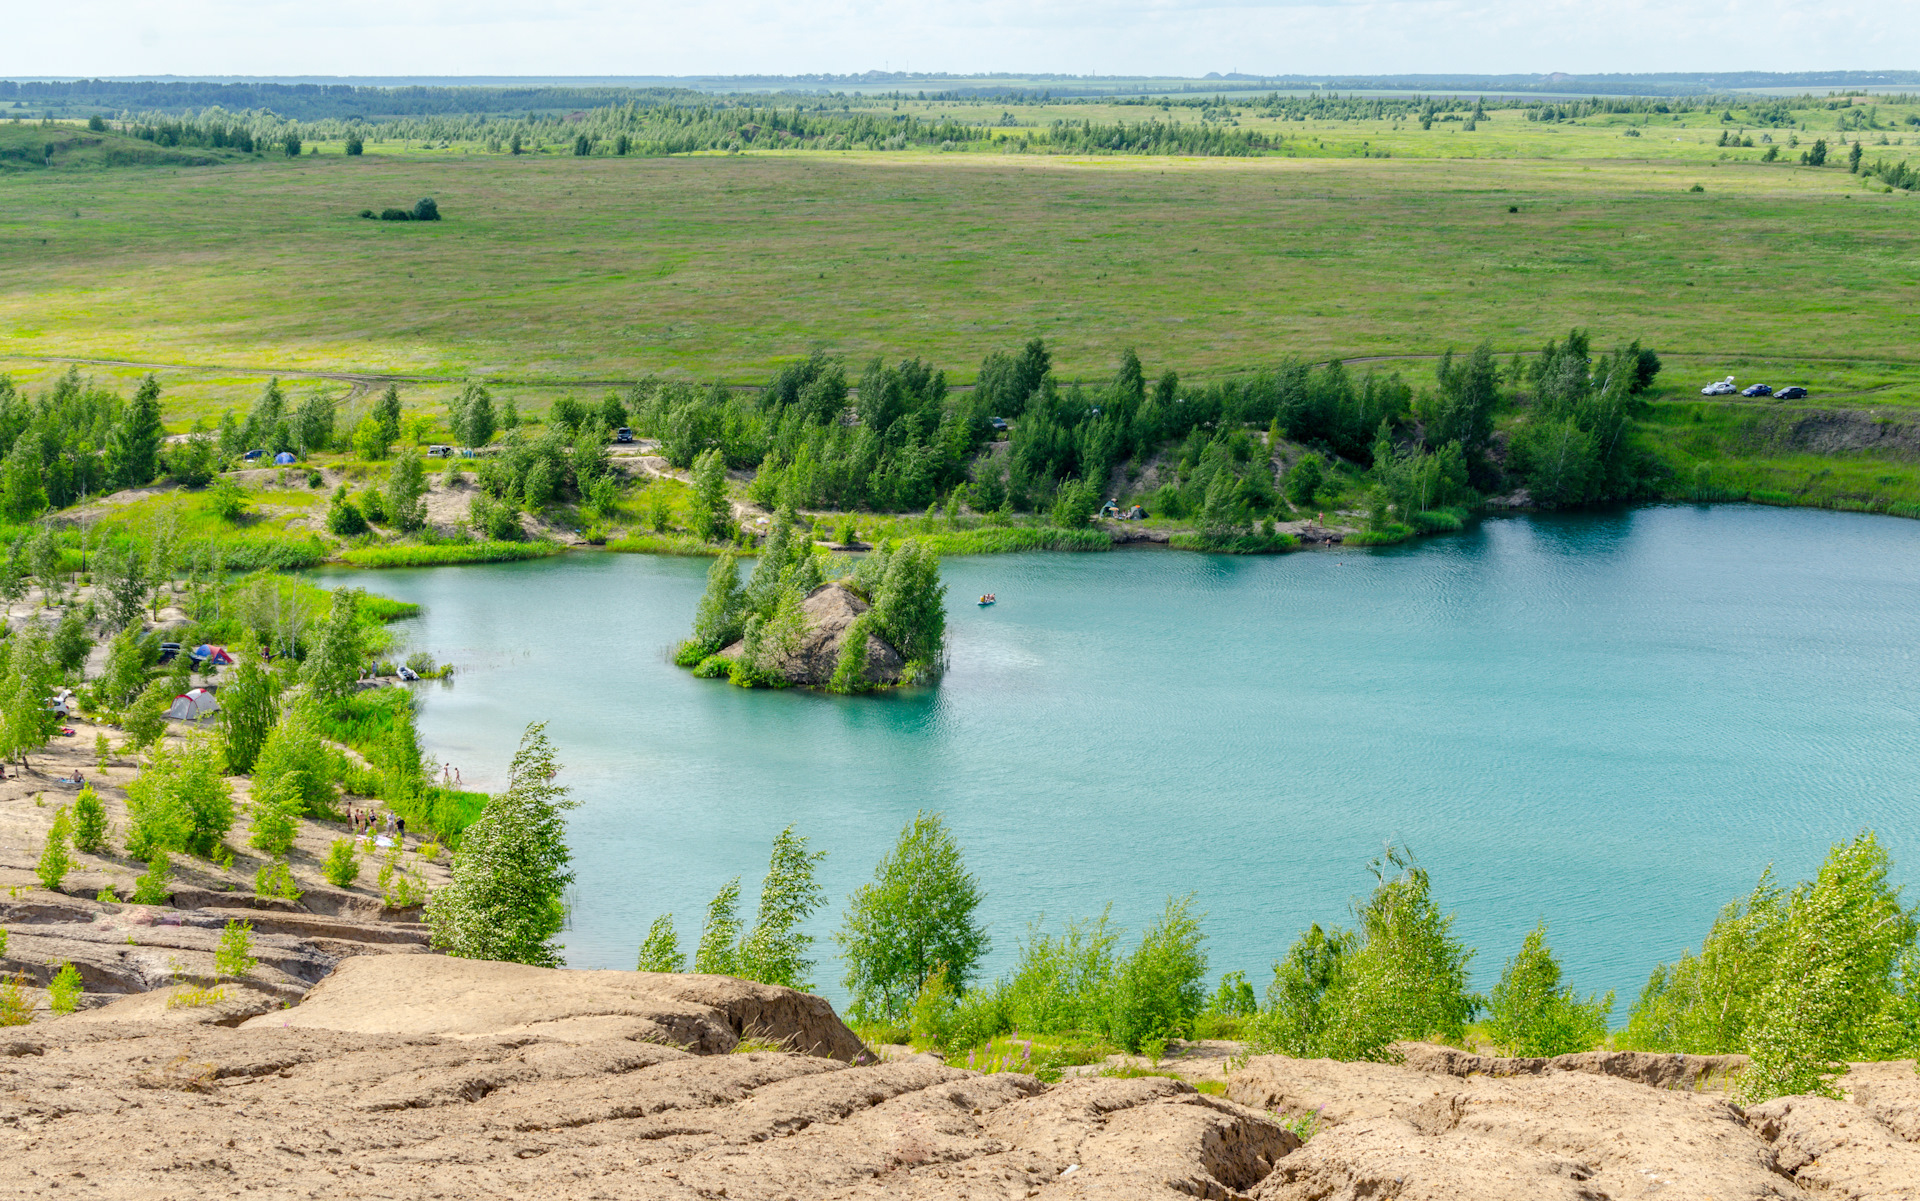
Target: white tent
193	705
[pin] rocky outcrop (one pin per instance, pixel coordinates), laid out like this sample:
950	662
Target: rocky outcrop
525	1099
119	948
1446	1125
425	1077
1642	1067
1836	431
470	998
831	610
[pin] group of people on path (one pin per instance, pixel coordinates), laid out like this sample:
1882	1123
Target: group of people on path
368	823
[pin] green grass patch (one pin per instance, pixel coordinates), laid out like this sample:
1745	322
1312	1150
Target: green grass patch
1001	540
1236	544
1358	255
416	555
664	544
1043	1055
1393	534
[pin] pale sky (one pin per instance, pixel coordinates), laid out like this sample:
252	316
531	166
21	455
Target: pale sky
1153	37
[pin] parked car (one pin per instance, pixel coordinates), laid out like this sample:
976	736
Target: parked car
254	456
1792	392
169	651
1723	388
998	423
623	434
437	451
1757	390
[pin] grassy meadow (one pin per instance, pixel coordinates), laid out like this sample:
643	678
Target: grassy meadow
558	275
553	273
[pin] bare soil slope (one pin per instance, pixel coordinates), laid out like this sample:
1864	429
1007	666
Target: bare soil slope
423	1077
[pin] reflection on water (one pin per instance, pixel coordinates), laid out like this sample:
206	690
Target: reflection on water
1610	721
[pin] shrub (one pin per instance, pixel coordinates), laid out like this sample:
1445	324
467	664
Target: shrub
15	1009
146	721
1350	994
660	949
341	866
1304	479
151	888
1063	982
1832	997
424	209
275	880
1704	1004
1158	990
344	518
55	863
1529	1013
718	951
181	802
249	709
276	806
510	875
65	990
234	957
295	767
395	215
89	822
354	145
915	916
775	950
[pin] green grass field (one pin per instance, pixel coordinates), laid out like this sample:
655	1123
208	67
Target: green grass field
553	273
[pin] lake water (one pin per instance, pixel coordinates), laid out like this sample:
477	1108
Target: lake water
1613	722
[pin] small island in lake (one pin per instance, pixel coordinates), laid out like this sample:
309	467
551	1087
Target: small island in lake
808	617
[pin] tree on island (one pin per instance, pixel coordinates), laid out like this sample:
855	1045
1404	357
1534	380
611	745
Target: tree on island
510	875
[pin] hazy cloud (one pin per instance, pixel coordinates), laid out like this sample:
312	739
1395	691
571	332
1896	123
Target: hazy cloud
1158	37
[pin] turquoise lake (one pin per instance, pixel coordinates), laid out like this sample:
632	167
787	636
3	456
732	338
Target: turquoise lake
1613	722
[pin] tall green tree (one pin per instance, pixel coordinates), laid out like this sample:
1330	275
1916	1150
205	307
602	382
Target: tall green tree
471	416
722	614
1529	1012
332	671
1351	994
911	609
506	900
22	495
181	801
775	950
660	949
1705	1004
711	515
1833	997
916	916
386	413
26	724
249	709
133	448
718	952
406	486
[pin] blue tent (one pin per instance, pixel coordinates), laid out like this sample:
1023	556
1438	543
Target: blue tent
283	458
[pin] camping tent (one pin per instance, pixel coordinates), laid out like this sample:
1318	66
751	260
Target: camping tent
284	458
212	655
193	705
